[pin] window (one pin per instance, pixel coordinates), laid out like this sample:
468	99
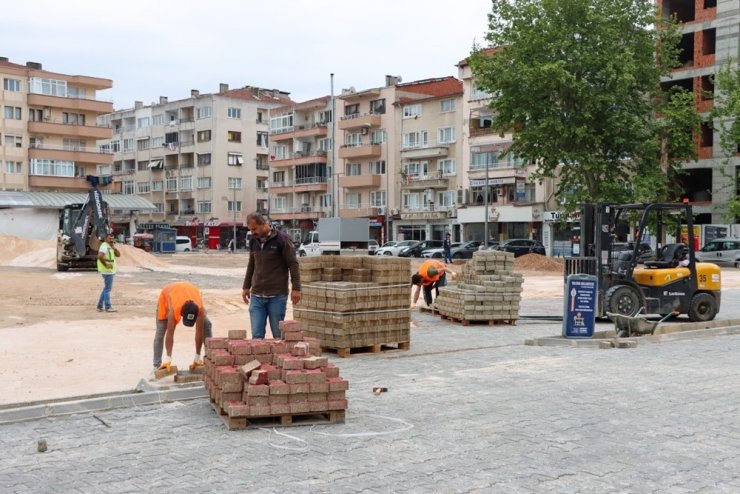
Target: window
235	183
128	187
352	200
377	106
11	84
13	167
204	112
260	163
51	87
142	166
353	139
411	201
325	200
259	117
478	93
142	123
415	139
350	110
171	184
447	105
204	135
261	184
159	207
157	142
447	167
324	145
204	206
446	135
143	187
186	183
282	123
234	159
204	159
142	144
35	115
171	138
410	111
157	186
261	139
416	169
377	167
128	145
235	206
204	182
233	136
446	198
234	113
73	118
353	169
377	137
325	117
281	152
377	199
13	112
52	168
278	178
13	141
278	203
158	119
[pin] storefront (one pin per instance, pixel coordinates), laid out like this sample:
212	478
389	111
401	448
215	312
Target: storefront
504	222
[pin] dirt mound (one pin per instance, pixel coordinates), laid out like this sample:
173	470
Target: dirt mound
536	262
24	252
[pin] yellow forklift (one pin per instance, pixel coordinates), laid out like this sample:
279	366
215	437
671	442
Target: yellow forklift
629	283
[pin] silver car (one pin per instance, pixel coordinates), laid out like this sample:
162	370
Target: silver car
721	251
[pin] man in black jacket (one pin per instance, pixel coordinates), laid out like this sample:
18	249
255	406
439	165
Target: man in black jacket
272	258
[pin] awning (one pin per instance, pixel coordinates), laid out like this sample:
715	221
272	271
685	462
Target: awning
57	200
155	164
480	182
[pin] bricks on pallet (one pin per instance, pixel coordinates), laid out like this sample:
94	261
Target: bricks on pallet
297	397
336	395
258	377
292	363
242	359
260	347
299	388
232	387
257	390
337	405
315	362
222	357
300	407
318	406
277	399
237	334
261	411
289	325
273	372
264	358
258	401
213	342
293	376
236	409
299	349
279	388
239	347
250	366
314	376
280	409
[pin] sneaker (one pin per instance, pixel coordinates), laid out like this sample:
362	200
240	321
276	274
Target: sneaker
100	309
111	309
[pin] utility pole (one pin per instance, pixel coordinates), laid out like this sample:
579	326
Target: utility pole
333	144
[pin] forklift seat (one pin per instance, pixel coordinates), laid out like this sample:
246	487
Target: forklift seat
669	256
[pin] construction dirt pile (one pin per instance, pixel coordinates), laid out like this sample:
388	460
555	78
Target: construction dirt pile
536	262
24	252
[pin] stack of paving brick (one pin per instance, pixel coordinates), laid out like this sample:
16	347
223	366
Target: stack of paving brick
355	301
249	379
488	290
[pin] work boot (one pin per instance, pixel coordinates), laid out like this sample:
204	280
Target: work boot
196	365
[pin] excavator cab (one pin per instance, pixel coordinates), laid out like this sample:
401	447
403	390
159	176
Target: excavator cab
672	282
82	228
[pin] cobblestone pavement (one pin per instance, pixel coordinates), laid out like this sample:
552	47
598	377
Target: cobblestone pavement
468	409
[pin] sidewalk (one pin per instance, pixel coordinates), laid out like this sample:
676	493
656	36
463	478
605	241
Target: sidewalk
468	409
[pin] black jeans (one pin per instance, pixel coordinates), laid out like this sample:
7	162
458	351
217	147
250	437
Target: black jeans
434	286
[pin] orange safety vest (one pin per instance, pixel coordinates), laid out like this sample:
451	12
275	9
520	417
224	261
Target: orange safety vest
174	296
426	278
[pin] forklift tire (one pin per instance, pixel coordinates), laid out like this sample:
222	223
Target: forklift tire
703	307
622	299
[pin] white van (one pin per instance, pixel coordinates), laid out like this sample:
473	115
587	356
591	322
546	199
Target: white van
183	244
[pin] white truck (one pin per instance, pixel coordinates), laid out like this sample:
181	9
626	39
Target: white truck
347	236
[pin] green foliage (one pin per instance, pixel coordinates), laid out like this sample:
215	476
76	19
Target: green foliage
579	80
726	117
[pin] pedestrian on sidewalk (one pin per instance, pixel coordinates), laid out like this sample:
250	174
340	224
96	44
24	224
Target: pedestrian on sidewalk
272	257
447	247
179	301
431	275
107	253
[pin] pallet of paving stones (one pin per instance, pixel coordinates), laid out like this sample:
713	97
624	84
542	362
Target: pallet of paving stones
489	322
283	380
232	419
345	352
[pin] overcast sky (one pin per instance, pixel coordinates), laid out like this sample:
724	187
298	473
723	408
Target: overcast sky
166	47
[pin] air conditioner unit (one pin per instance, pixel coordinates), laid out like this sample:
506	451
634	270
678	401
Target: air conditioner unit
364	131
381	211
452	213
395	212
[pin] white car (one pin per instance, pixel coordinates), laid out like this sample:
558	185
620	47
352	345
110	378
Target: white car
395	249
183	244
372	246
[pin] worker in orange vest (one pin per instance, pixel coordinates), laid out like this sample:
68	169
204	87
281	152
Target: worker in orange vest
431	275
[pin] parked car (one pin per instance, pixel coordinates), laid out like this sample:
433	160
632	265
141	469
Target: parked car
721	251
522	246
183	244
394	250
439	252
372	246
416	250
465	251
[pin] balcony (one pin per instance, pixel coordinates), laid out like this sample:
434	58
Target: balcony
358	121
361	211
53	127
362	150
311	184
426	150
306	130
300	213
436	181
82	104
78	154
426	213
66	183
299	158
355	181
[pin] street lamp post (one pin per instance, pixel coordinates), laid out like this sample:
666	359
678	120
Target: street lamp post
387	187
234	217
485	195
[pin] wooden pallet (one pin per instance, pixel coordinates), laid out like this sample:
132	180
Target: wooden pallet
288	420
490	322
377	348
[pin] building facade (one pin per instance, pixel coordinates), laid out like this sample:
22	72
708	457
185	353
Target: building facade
711	34
202	161
49	129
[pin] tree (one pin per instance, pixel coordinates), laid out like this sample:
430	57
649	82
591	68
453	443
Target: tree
579	81
726	118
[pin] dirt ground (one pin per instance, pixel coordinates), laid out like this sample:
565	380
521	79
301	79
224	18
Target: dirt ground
55	344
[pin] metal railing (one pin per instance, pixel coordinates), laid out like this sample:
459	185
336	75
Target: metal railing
82	149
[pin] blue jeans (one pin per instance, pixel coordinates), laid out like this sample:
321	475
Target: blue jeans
104	299
260	308
448	256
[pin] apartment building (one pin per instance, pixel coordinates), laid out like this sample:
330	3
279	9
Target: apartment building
202	161
49	129
497	193
301	151
711	30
